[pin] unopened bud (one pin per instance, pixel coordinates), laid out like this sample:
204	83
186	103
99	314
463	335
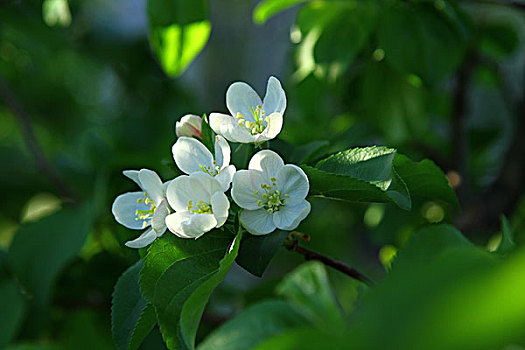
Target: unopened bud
189	125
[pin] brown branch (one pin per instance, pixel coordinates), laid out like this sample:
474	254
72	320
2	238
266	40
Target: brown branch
293	245
12	102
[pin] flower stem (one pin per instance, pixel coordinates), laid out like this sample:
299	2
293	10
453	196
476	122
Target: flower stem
293	245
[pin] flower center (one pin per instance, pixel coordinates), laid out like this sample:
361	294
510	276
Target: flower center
199	208
272	200
145	214
209	170
259	117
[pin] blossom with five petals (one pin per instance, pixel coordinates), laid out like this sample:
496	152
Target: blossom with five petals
199	203
191	156
139	210
251	120
271	193
189	125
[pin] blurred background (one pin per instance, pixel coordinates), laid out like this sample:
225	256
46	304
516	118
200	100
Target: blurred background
90	88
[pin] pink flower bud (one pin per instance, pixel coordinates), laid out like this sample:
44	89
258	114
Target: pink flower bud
189	125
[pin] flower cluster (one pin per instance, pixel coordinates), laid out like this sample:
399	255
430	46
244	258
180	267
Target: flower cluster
271	194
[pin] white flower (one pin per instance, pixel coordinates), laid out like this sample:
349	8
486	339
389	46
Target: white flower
251	120
199	203
271	193
191	156
148	207
189	125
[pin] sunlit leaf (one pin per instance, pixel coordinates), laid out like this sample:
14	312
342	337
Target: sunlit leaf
56	12
179	30
268	8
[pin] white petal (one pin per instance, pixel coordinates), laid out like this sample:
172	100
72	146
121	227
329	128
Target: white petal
240	97
257	222
196	187
246	188
143	240
289	216
220	207
133	175
222	152
152	185
227	126
268	162
225	177
188	225
274	127
165	185
189	125
158	222
124	208
292	180
189	154
275	98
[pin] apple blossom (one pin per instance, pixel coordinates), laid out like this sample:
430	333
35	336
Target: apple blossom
271	194
199	203
189	125
251	121
191	156
141	209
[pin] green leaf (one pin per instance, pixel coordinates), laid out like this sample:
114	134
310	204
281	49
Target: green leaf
208	135
12	308
428	243
42	248
421	40
165	252
268	8
448	294
309	291
388	92
179	30
507	237
335	186
241	155
425	179
372	164
256	252
194	306
305	338
254	325
344	35
173	271
132	317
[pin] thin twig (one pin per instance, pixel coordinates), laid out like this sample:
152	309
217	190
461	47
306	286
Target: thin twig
308	254
43	164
